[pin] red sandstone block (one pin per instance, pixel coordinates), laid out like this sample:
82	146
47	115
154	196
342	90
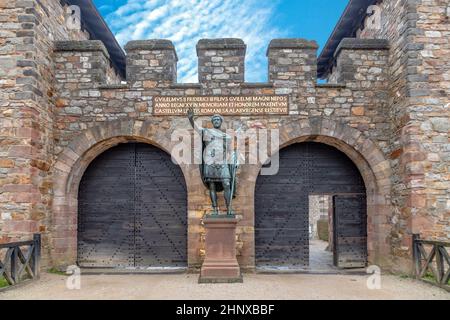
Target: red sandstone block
23	132
18	188
413	156
61	243
41	165
21	226
6	163
5	4
65	233
21	152
5	239
73	59
417	200
26	197
421	224
60	251
406	240
396	153
63	217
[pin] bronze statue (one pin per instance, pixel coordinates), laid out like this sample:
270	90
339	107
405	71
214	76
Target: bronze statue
219	163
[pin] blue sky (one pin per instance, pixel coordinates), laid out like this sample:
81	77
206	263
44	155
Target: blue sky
256	21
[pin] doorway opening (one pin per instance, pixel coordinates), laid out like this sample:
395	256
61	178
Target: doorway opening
320	232
337	232
317	189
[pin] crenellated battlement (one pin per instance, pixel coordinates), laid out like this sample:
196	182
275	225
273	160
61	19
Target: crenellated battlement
293	69
80	62
221	63
292	63
358	62
151	63
292	60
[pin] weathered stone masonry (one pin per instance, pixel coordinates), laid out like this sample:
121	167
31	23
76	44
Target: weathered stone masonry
28	31
342	115
419	113
62	105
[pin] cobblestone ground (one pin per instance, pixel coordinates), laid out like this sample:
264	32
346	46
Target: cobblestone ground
255	286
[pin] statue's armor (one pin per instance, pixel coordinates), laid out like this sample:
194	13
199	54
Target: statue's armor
215	155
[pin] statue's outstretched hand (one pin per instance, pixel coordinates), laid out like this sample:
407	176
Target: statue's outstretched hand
190	113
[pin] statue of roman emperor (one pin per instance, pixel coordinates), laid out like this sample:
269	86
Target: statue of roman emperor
218	168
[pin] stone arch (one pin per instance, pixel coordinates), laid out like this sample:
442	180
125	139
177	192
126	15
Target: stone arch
73	161
369	159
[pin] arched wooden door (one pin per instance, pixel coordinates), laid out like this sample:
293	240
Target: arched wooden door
282	206
132	210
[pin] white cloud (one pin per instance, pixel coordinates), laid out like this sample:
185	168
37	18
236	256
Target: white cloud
186	21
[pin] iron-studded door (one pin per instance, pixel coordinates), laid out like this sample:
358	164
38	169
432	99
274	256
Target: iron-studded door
350	231
281	213
160	210
282	200
132	210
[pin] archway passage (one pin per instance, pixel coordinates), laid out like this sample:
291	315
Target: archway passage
132	210
282	227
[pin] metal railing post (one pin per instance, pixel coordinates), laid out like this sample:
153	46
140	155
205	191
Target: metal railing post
37	255
14	266
416	254
439	264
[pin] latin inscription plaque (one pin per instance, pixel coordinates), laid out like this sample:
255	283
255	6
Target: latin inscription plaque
224	105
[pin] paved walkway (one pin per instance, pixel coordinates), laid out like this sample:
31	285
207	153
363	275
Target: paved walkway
255	286
320	260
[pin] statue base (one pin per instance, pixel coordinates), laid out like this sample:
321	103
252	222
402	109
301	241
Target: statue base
220	265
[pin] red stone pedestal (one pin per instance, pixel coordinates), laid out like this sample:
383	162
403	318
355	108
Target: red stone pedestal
220	265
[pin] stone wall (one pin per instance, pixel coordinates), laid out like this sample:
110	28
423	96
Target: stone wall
95	116
62	105
28	30
27	115
418	33
430	121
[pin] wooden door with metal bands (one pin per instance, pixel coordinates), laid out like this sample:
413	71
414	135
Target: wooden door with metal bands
350	235
132	210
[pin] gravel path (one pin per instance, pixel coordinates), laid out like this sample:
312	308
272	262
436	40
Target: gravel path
255	286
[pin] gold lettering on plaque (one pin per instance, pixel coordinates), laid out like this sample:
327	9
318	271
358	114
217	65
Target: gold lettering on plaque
225	105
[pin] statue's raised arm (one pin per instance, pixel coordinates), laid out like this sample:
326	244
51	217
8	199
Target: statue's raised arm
190	114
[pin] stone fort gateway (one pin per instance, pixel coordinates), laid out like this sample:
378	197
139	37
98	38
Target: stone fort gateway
88	131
